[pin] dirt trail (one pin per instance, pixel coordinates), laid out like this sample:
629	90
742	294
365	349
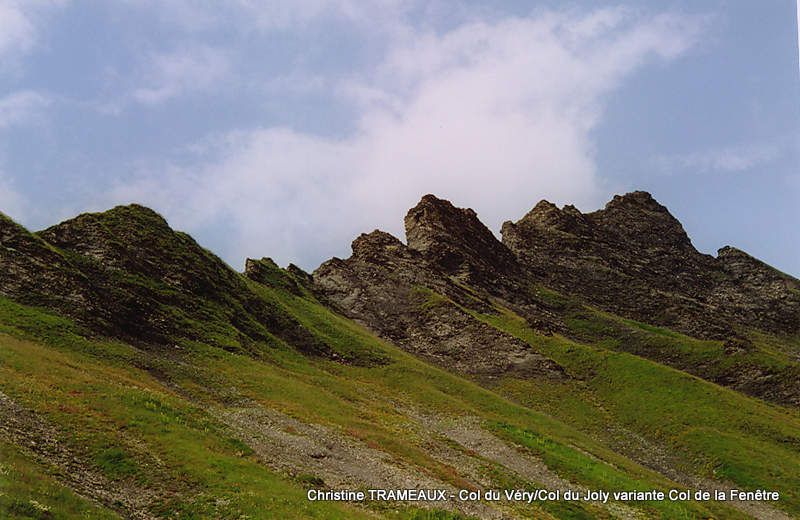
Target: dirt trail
34	436
314	451
469	433
657	458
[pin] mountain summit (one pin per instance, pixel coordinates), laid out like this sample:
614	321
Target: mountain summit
632	258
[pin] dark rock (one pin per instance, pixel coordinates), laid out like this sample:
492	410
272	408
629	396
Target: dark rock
755	293
35	273
408	297
634	258
458	243
125	273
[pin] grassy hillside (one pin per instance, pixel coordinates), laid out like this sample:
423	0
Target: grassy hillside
710	431
195	431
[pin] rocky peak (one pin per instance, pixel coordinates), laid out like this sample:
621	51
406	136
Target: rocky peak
136	239
745	268
34	272
126	237
546	215
454	239
15	239
260	270
125	273
730	251
634	258
637	218
376	245
730	255
737	262
435	220
638	198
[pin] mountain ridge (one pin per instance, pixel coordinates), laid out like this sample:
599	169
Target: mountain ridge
632	258
452	360
634	246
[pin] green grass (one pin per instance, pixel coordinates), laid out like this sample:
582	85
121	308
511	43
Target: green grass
351	344
588	470
124	421
413	382
116	462
771	359
27	491
553	299
717	432
428	299
143	419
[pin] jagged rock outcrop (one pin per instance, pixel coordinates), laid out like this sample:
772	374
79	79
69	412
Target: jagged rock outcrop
267	272
634	258
404	295
459	244
755	293
125	273
456	242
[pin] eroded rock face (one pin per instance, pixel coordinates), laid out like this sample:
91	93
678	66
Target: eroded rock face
405	296
127	274
267	272
634	258
458	243
756	293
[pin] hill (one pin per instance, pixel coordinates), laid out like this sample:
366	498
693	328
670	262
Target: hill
141	377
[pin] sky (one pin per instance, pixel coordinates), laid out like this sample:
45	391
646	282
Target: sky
285	129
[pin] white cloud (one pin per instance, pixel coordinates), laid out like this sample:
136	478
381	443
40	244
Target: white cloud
490	115
16	29
729	159
21	107
192	69
18	24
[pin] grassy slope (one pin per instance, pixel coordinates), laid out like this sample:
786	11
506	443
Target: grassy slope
714	431
27	491
135	428
772	363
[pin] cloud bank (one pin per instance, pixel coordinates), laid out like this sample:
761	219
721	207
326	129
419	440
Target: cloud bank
493	116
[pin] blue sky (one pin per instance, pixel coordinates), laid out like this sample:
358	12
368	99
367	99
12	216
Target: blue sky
284	129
